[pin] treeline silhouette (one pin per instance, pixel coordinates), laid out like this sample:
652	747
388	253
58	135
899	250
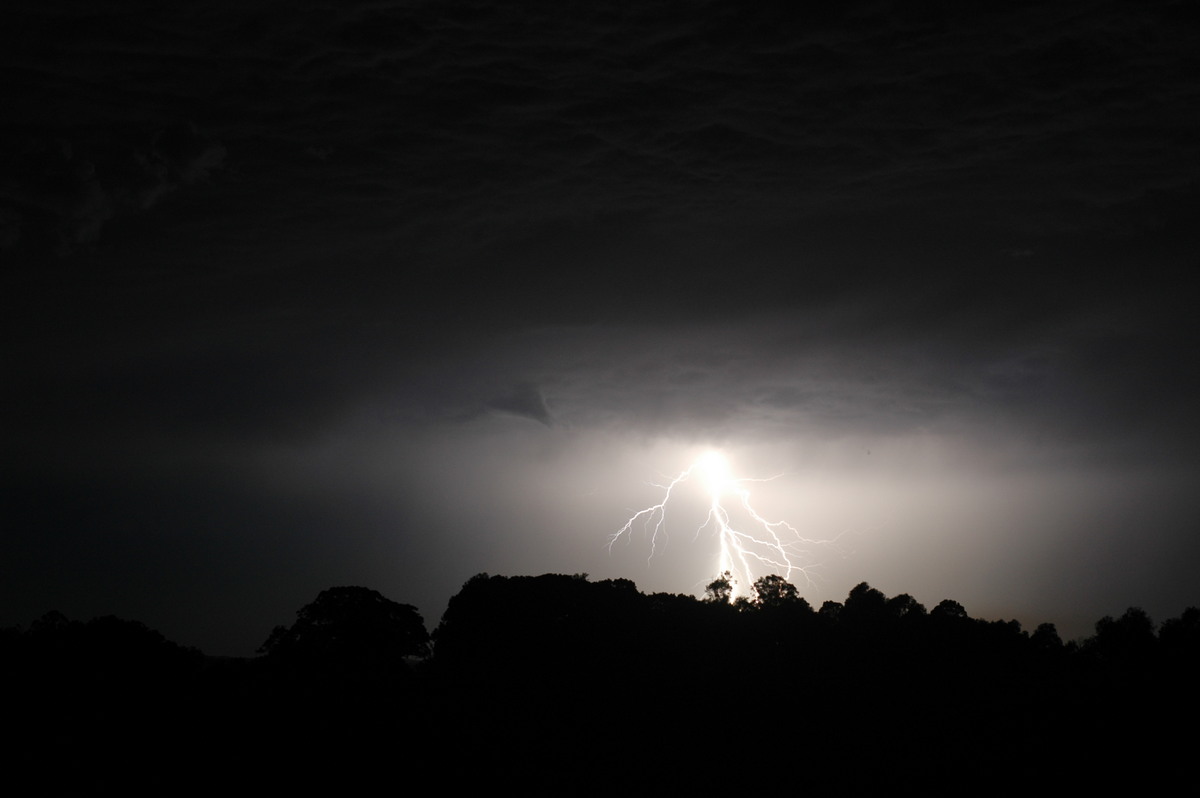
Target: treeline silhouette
559	684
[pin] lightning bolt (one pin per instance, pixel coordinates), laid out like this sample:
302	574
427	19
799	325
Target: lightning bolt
752	548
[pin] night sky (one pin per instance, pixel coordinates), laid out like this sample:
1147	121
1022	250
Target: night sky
303	294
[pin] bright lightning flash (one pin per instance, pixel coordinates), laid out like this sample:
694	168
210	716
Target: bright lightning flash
747	551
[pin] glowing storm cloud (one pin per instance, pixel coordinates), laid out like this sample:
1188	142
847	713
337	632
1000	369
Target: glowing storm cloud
747	551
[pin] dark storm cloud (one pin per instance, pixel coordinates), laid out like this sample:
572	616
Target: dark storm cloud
64	191
421	171
472	123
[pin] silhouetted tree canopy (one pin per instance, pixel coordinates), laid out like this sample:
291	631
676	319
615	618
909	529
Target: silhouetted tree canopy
905	606
864	604
1182	634
947	609
720	590
830	611
773	590
561	667
1128	641
1046	638
501	625
351	624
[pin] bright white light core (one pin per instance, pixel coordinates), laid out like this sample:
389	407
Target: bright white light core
714	468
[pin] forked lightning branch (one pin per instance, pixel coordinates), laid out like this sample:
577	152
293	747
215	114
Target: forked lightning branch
748	545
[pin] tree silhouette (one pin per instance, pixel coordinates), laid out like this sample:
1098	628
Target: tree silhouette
864	604
351	624
1182	635
1127	642
830	611
948	609
905	606
720	589
773	590
1045	638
